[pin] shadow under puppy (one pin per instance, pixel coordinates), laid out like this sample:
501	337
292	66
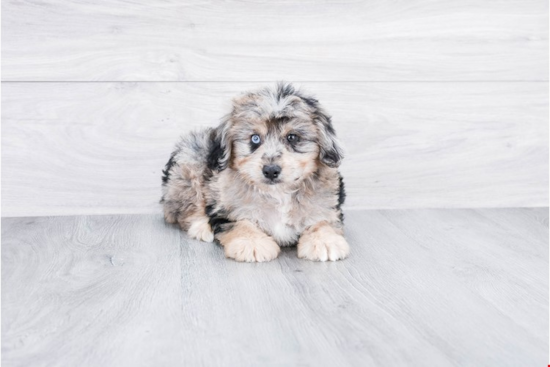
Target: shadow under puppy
266	177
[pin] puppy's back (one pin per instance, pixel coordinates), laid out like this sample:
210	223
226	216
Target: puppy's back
183	176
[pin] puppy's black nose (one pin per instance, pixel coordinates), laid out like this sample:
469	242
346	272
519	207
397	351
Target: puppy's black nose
271	171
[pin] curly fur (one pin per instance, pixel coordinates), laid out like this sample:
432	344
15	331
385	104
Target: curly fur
214	184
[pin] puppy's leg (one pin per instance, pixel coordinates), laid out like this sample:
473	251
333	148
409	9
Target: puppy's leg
198	226
192	216
322	242
243	241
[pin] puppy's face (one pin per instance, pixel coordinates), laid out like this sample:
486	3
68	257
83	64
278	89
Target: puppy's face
277	137
280	149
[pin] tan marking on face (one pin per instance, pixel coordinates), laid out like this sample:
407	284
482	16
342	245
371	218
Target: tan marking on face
239	162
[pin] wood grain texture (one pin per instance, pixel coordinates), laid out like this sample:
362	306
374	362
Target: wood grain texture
194	40
421	288
98	148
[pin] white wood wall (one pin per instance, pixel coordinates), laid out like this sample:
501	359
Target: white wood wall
438	103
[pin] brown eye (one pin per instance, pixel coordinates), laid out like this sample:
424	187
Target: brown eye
292	138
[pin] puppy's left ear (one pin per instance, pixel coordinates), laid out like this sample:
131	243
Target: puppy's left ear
330	151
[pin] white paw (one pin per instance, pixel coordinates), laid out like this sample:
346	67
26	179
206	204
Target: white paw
201	231
322	245
256	249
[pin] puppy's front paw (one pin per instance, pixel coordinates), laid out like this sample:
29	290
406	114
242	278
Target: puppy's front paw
322	245
201	230
255	249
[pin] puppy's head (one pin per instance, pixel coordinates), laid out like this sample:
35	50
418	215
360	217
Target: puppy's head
275	136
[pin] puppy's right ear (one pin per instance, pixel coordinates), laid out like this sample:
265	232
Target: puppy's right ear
220	147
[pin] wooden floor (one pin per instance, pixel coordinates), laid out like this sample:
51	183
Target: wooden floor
459	287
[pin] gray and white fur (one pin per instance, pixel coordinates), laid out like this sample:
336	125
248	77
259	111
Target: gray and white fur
266	177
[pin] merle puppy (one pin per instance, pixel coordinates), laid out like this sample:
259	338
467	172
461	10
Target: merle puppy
266	177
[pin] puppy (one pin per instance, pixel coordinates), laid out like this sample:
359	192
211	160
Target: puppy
266	177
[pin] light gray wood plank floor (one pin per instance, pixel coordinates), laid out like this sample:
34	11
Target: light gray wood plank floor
421	288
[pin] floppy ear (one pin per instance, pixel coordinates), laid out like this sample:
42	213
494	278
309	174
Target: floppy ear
330	152
220	147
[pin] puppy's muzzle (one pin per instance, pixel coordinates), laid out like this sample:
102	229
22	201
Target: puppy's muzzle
271	171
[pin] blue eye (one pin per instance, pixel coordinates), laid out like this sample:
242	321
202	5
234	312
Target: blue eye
255	139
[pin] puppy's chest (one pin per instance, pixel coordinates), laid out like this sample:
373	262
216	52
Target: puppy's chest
281	222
